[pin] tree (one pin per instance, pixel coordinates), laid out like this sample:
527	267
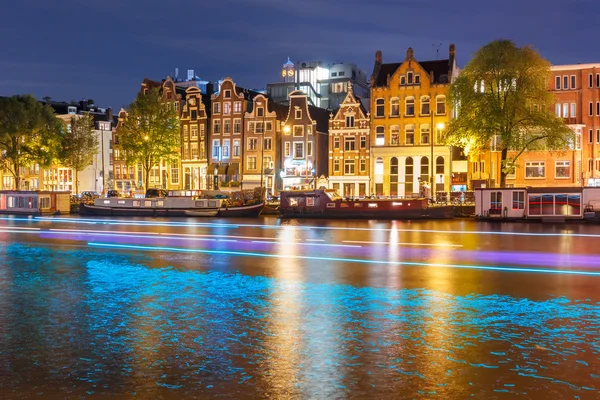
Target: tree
29	134
150	132
502	99
79	146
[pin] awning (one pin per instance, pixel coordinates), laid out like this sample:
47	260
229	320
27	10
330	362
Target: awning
268	171
223	169
234	169
211	168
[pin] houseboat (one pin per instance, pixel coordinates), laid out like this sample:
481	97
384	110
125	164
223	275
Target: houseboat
246	203
26	202
538	203
326	203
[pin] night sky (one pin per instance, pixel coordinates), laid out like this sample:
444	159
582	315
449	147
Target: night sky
101	50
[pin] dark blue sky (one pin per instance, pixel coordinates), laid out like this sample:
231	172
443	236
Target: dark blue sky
74	49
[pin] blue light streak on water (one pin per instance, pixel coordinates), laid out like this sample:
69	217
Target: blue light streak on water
345	260
106	322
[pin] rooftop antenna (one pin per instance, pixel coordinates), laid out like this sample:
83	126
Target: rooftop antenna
437	50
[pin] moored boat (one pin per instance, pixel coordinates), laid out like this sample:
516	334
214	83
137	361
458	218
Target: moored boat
326	203
179	204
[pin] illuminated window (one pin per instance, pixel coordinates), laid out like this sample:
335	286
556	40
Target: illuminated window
227	126
226	108
410	106
394	107
349	167
535	169
236	147
287	149
425	105
395	135
217	126
237	125
336	165
380	136
252	143
440	105
350	121
298	150
350	144
336	143
217	108
298	130
562	169
410	134
252	162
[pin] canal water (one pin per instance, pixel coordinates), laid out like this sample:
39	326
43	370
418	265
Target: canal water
263	308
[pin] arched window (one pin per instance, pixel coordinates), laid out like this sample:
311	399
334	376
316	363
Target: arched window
440	107
380	108
409	176
395	107
394	135
439	165
379	176
425	105
410	106
424	169
393	176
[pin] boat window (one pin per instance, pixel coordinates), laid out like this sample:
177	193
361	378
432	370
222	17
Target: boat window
147	203
293	201
357	205
310	201
121	202
212	203
106	202
330	205
44	203
199	204
160	203
372	205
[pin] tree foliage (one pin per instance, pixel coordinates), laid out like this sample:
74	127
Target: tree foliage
29	134
79	146
503	101
150	133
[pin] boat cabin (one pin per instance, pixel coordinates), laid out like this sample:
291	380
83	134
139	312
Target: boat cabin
34	202
536	202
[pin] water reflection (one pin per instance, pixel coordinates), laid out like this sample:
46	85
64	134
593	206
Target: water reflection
82	321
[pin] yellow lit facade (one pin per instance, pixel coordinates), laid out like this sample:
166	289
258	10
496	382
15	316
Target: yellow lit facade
409	111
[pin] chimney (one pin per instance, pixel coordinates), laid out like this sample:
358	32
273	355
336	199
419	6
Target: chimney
176	74
410	54
451	60
109	114
210	88
376	67
84	105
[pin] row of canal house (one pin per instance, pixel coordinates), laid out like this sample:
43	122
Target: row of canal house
235	138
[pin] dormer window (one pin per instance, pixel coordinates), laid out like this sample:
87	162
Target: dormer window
227	94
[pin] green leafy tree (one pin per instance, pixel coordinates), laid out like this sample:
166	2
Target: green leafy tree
503	101
150	133
79	146
30	134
